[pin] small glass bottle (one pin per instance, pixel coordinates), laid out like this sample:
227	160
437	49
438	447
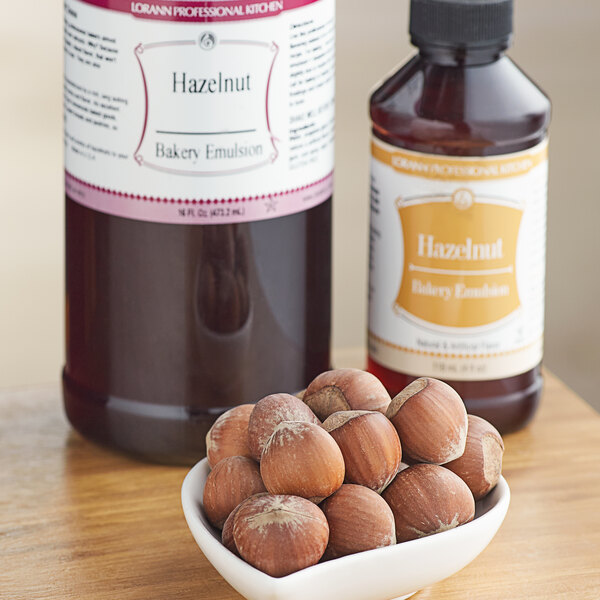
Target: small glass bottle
458	214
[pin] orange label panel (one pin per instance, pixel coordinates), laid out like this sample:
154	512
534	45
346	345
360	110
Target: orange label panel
459	259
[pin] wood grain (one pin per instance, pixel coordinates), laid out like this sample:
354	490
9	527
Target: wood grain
78	522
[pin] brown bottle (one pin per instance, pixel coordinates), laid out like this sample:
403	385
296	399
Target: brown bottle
199	157
458	200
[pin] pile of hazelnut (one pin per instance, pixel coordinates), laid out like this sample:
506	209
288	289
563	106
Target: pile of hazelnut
296	480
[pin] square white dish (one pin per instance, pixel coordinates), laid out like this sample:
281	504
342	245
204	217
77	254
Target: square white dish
393	572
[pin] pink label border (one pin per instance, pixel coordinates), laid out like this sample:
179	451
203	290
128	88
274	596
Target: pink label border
192	11
199	211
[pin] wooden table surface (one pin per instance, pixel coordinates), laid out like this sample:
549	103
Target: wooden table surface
78	522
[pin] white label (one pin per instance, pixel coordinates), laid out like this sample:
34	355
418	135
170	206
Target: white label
457	263
197	116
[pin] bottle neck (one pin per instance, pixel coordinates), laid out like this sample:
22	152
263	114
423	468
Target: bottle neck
454	56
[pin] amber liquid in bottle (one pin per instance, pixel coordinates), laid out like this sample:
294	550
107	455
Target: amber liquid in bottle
170	325
465	102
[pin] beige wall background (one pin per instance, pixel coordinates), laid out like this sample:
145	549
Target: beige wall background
558	43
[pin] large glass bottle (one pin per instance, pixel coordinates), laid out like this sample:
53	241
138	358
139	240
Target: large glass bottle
458	200
199	155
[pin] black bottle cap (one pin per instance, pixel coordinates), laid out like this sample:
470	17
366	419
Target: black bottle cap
462	23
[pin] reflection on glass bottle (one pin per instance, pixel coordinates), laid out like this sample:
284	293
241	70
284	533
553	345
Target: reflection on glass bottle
223	308
222	287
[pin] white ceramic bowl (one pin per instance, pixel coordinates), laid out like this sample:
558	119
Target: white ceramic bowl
388	573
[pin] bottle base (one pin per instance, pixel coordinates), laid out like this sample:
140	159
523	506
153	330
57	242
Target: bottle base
155	433
508	404
509	412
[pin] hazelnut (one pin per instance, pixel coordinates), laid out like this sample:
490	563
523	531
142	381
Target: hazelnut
302	459
359	519
431	420
269	412
233	479
228	435
369	445
427	499
481	463
345	389
280	534
227	531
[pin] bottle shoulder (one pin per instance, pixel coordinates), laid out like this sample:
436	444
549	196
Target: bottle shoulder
476	110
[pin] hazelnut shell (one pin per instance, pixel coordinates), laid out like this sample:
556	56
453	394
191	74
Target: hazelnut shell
431	420
268	413
369	444
302	459
345	389
280	534
359	519
428	499
233	479
480	465
229	434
